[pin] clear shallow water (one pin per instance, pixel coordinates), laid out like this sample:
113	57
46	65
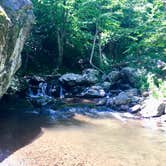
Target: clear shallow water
88	141
92	137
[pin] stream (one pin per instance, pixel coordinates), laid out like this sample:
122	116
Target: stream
76	134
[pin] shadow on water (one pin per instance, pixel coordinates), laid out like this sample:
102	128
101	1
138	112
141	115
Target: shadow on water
20	125
16	128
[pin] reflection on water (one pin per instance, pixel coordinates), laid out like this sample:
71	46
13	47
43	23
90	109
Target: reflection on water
16	131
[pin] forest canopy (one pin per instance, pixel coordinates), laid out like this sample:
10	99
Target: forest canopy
71	34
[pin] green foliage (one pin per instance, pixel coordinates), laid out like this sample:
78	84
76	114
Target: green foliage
128	30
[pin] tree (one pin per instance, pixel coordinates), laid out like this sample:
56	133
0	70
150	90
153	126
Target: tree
103	31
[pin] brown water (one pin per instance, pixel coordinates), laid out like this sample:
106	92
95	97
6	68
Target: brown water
93	142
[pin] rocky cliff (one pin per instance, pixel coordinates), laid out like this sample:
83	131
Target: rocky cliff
16	17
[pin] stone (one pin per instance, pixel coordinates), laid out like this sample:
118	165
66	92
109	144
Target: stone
124	108
88	77
122	99
113	77
16	17
124	86
129	75
132	92
106	86
71	79
101	102
152	107
34	80
145	94
110	102
93	92
135	108
161	110
91	76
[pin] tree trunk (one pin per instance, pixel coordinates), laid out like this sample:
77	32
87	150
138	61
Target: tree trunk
61	35
92	53
100	50
60	48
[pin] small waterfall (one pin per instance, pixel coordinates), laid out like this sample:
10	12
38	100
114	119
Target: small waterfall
42	90
61	95
30	92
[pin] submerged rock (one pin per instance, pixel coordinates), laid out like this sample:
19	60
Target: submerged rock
16	18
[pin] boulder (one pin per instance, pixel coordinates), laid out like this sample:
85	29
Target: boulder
129	75
71	79
16	17
105	85
122	99
88	77
161	110
91	76
153	108
132	92
93	92
113	77
136	108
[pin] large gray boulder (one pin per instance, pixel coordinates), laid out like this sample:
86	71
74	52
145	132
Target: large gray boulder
88	77
16	17
71	79
122	99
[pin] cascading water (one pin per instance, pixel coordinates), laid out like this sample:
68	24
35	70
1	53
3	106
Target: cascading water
61	95
41	91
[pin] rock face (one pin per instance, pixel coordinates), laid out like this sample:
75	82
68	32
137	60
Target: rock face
16	17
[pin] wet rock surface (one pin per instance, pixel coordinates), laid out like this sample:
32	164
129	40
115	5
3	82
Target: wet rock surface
121	96
108	91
